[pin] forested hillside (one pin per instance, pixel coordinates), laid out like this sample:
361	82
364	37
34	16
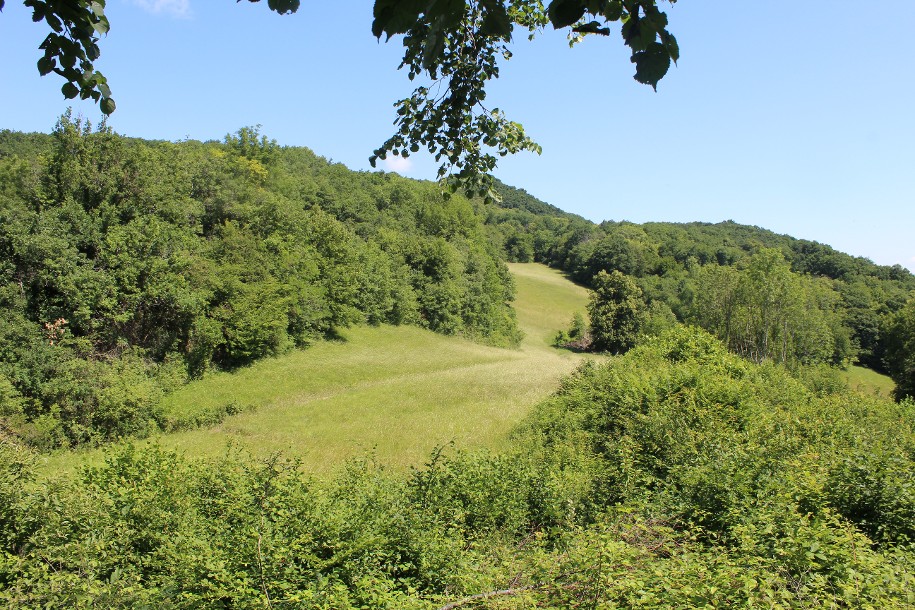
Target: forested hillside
677	474
767	296
129	266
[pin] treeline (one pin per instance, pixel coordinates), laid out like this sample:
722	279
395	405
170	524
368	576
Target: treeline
128	266
677	475
768	296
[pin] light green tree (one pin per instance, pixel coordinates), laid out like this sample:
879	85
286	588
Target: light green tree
765	311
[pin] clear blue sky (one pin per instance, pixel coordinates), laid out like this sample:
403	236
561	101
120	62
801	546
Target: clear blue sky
794	116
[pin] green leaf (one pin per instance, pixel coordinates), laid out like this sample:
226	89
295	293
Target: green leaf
638	33
55	23
651	64
283	7
613	11
69	90
497	23
670	43
433	49
101	26
108	106
657	18
394	17
563	13
45	65
87	79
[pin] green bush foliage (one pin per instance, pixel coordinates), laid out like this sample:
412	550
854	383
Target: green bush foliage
576	336
676	475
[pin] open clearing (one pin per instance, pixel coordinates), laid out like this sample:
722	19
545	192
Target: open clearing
868	381
394	392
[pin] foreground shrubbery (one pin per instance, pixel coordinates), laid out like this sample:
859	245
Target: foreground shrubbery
674	476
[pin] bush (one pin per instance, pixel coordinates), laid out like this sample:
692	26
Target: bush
677	475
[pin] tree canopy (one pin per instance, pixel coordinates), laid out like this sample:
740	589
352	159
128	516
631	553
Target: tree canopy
616	311
128	265
900	349
454	45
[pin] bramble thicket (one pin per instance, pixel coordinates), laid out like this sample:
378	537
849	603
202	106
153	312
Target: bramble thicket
675	475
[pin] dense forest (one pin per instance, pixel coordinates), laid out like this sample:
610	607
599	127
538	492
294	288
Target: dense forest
716	460
130	266
767	296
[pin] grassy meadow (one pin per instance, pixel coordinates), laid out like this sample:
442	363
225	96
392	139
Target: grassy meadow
869	382
394	392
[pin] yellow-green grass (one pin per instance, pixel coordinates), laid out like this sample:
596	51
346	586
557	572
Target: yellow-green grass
868	381
396	392
545	302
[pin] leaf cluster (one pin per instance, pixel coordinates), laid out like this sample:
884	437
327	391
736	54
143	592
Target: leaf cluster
457	47
71	48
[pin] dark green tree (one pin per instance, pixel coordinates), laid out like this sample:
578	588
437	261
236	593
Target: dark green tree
617	312
126	266
900	350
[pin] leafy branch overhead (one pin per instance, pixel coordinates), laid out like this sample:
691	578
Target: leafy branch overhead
72	46
454	46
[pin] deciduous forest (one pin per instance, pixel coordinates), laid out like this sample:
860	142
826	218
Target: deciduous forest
715	458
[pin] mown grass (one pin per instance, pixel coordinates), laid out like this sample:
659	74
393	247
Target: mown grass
395	392
868	381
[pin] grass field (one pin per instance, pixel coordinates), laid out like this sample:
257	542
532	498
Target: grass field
868	381
396	392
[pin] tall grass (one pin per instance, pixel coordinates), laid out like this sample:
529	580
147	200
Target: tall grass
395	392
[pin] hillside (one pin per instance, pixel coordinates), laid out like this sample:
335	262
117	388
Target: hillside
336	394
129	267
856	302
394	392
119	286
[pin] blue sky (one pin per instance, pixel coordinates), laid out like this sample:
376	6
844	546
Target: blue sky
793	116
